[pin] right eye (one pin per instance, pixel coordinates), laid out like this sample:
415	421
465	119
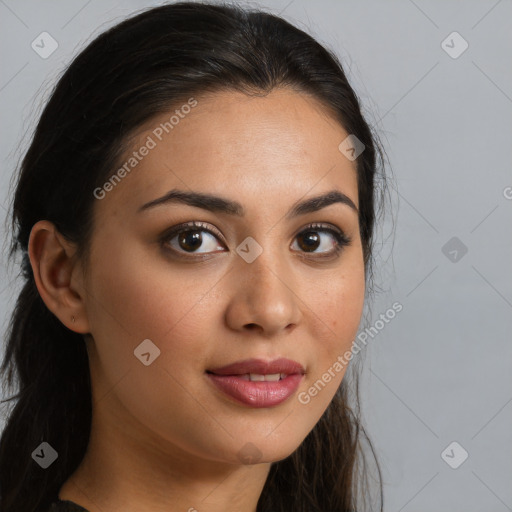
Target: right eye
189	237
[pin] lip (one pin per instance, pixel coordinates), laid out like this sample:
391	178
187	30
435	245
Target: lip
230	380
281	365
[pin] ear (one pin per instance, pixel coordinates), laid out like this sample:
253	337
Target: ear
58	275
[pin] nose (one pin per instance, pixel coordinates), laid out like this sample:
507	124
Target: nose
264	298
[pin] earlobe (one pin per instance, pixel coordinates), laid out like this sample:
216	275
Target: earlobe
51	258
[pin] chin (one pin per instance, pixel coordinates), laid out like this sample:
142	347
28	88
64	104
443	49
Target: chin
263	452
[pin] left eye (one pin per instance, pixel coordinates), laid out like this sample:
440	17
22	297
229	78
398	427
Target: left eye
188	238
310	240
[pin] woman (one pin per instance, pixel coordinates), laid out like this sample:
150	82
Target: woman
195	214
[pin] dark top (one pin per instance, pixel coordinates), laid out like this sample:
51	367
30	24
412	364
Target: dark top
65	506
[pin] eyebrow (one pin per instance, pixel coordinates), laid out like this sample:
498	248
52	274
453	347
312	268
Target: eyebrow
218	204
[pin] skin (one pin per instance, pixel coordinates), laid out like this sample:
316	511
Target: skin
163	438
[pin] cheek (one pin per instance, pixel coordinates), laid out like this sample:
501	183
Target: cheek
136	296
336	318
338	305
342	306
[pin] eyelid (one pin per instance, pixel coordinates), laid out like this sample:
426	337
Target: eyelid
324	227
191	226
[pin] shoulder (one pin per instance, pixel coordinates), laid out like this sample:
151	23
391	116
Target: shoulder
65	506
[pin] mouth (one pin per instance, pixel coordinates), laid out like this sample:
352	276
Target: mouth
257	383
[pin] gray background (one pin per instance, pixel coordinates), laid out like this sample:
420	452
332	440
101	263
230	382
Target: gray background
440	371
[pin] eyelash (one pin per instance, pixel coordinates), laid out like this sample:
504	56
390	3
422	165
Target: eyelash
342	240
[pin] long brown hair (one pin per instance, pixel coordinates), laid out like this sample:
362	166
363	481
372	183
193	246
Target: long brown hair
130	73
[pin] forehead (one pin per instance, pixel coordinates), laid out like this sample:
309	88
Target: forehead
244	147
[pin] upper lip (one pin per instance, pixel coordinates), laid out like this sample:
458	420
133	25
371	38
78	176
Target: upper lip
260	367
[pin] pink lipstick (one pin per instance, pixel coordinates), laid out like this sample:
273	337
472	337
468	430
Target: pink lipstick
257	383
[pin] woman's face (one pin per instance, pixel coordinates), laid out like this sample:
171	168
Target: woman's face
166	308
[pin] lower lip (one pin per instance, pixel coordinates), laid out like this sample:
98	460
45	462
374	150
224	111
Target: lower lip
257	394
